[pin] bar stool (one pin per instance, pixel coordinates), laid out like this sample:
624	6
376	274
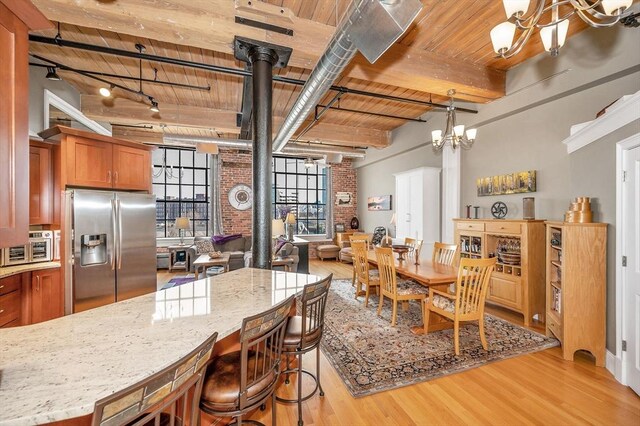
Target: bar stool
303	335
147	402
238	382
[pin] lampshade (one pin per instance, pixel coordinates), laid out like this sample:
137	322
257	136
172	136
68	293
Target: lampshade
393	219
515	7
546	34
458	130
182	223
277	227
502	36
471	134
436	135
615	7
291	219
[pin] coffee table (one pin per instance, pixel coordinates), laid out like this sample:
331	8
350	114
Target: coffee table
204	261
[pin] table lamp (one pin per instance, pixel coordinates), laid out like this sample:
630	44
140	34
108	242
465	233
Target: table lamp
277	228
182	223
291	222
387	239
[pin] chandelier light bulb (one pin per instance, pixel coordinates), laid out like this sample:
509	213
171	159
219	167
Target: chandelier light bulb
458	130
546	34
471	134
615	7
436	136
502	37
105	91
515	7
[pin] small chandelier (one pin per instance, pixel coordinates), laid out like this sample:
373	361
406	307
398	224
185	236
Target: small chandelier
454	133
597	13
168	170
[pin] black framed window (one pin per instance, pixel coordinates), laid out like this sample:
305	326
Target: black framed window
181	186
300	190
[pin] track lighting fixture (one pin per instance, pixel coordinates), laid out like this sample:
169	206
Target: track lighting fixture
106	91
52	74
154	106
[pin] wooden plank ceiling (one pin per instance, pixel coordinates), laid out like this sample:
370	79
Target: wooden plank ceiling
448	46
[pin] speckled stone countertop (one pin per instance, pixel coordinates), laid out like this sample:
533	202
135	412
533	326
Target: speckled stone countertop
58	369
7	271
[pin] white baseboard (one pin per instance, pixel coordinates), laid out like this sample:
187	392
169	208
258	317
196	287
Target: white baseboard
614	365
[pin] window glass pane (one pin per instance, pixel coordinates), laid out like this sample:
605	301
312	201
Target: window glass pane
173	210
186	192
173	192
160	211
201	228
173	157
158	191
201	177
200	193
201	211
187	176
160	229
157	156
172	175
302	181
186	210
279	164
186	158
312	197
280	180
312	182
201	159
158	174
291	181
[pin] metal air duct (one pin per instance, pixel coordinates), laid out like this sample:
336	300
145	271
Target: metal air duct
370	26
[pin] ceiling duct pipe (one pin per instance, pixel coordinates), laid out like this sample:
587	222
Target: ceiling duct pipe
369	26
292	148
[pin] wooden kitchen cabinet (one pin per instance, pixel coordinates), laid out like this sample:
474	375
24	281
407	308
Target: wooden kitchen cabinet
16	19
40	184
131	168
47	295
10	301
89	163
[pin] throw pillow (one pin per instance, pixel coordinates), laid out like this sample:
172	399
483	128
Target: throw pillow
280	242
204	246
221	239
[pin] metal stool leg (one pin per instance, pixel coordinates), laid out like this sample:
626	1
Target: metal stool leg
286	377
300	422
318	370
273	408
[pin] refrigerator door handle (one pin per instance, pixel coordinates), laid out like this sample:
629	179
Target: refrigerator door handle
113	223
119	236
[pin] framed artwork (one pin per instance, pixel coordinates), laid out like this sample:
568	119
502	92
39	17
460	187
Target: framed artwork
379	202
339	227
513	183
344	199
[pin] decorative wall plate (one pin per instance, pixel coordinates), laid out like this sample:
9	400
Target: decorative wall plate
240	197
499	210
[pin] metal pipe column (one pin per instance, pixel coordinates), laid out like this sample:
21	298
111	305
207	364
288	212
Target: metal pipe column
262	60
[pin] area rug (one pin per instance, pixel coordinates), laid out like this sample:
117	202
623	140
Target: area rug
372	356
174	282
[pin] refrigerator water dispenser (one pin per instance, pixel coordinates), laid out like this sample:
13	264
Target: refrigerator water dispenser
93	249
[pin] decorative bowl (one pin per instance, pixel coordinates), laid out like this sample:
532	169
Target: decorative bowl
509	258
215	254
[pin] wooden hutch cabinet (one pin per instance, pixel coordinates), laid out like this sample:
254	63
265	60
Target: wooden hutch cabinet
517	283
17	18
40	184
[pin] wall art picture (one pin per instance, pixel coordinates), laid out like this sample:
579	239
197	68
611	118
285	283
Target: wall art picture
344	199
513	183
380	202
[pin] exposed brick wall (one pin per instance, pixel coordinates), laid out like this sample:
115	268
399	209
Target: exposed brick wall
236	169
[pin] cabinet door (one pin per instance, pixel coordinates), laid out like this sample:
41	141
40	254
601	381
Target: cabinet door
89	163
14	124
40	184
505	292
131	168
47	295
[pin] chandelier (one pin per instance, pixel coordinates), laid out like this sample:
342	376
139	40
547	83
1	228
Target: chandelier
597	13
454	134
167	170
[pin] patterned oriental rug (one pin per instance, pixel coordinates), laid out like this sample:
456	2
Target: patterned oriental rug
371	356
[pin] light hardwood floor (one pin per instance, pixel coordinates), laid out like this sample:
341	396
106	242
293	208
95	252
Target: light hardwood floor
539	388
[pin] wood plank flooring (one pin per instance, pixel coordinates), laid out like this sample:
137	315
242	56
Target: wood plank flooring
539	388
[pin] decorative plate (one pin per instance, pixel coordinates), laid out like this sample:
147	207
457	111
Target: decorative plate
240	197
499	210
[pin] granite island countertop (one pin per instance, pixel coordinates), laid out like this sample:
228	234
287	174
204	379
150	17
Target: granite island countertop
58	369
7	271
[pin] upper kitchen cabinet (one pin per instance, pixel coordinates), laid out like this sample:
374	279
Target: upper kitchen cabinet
17	18
90	160
40	184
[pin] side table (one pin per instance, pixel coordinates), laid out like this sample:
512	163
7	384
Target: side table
177	261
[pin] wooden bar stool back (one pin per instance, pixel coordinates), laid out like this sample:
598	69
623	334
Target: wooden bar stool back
467	304
444	253
394	289
364	276
239	382
167	390
303	335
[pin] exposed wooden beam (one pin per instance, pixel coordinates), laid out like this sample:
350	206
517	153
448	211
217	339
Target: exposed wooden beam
127	111
209	24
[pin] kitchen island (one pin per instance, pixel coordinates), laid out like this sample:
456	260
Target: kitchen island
58	369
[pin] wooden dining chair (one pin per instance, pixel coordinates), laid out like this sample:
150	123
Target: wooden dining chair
467	303
416	247
364	275
162	398
444	253
357	237
395	289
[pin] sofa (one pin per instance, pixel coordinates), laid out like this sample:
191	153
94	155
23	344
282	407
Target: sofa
239	249
287	251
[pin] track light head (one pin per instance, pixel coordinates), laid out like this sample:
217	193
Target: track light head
52	74
106	91
154	106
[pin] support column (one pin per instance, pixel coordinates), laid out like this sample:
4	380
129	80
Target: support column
262	57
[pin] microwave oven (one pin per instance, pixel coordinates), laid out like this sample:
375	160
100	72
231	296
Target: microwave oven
39	249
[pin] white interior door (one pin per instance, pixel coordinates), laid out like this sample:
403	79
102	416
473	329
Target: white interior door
631	247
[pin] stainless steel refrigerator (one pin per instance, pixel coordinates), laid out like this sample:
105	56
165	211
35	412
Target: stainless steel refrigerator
112	245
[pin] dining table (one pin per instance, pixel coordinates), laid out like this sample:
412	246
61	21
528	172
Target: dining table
434	275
